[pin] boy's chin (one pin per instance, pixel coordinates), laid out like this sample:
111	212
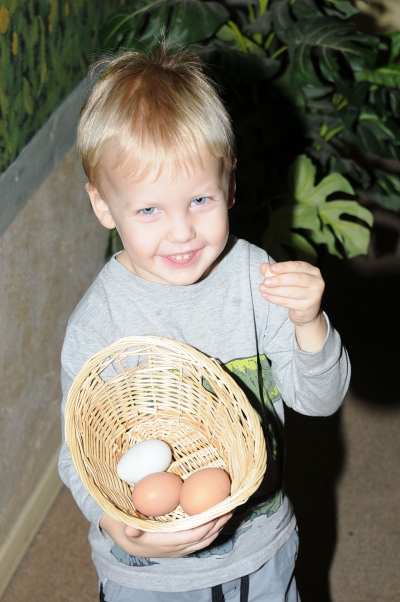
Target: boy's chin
171	277
186	278
183	280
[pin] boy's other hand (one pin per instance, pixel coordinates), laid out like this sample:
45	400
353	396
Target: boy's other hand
162	545
298	286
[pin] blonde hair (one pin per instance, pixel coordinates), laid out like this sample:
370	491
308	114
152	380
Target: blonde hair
152	110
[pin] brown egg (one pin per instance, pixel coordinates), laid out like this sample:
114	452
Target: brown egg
203	489
157	493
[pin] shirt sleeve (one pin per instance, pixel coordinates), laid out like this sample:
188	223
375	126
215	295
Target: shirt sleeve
76	350
311	383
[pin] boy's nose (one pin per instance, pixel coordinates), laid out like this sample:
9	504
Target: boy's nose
181	230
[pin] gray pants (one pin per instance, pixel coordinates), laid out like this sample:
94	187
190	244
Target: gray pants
273	582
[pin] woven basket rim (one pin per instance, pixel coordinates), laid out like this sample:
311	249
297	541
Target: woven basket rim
93	364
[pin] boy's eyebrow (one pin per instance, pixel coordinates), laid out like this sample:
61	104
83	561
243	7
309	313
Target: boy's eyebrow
208	189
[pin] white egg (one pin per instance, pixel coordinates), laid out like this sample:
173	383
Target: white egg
144	458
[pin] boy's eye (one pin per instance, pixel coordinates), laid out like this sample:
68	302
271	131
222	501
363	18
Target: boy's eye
201	200
149	211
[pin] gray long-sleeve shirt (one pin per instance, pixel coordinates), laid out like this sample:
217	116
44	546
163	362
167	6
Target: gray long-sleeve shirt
224	316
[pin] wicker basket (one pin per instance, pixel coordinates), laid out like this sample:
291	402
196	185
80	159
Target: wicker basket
156	388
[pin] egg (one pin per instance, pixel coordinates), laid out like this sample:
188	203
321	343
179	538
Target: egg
157	494
144	458
203	489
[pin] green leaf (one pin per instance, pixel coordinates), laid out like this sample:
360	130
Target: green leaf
394	37
195	21
377	126
263	25
235	39
356	94
280	239
324	32
343	9
318	220
320	41
388	76
377	137
283	22
120	23
386	190
149	26
184	21
390	202
353	236
299	81
302	179
329	65
304	9
394	103
379	99
391	181
348	117
335	36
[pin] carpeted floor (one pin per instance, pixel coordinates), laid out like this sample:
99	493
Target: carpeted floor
58	565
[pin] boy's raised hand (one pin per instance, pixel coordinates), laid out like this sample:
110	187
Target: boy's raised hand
298	286
162	545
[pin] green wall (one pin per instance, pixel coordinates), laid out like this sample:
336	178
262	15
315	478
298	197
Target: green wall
45	48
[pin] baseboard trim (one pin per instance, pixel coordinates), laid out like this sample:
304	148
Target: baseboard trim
27	525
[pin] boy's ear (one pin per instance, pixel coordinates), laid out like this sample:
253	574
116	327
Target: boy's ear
100	207
232	190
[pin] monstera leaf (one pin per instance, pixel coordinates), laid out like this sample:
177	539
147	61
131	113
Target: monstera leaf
388	76
312	220
282	240
140	24
340	219
386	190
343	9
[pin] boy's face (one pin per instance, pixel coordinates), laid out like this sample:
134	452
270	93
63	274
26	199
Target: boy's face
173	227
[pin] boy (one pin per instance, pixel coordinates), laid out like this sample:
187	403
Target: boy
157	147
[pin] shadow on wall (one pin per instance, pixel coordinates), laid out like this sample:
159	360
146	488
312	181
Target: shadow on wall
364	307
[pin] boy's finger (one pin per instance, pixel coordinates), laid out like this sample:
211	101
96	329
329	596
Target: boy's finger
194	535
202	544
209	529
291	282
216	524
265	270
293	266
295	304
132	531
291	293
216	527
222	520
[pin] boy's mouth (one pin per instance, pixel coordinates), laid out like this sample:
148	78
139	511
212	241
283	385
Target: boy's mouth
181	258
